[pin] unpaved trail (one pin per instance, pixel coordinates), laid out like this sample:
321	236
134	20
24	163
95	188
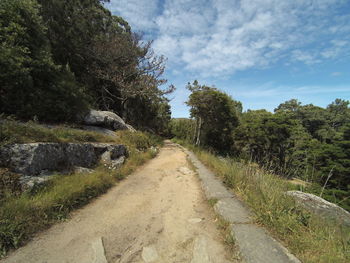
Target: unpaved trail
158	214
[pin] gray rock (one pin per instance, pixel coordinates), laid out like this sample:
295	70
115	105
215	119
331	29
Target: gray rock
130	128
149	254
32	158
105	119
117	163
110	151
321	207
200	251
100	130
257	246
81	170
232	210
28	182
99	251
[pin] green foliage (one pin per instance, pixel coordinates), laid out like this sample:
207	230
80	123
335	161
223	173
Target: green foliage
275	141
47	49
150	114
31	83
308	142
140	141
216	114
16	132
183	129
302	141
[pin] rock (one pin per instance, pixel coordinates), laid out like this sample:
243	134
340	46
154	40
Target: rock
81	170
149	254
100	130
321	207
195	220
28	182
32	158
112	159
115	150
130	128
99	251
106	119
200	251
115	164
184	170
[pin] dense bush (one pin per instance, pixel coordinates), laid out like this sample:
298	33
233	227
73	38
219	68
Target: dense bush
31	83
59	57
304	141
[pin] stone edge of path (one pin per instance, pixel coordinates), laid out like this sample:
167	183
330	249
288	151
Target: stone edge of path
254	242
99	251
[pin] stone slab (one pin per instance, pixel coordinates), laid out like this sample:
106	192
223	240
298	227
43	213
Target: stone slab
149	254
256	246
99	251
200	251
232	211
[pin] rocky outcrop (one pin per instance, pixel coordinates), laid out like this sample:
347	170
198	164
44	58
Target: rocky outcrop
99	130
32	158
106	119
321	207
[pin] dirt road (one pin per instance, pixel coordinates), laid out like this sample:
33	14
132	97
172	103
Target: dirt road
158	214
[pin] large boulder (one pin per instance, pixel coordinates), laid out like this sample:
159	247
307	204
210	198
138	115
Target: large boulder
32	158
321	207
105	119
99	130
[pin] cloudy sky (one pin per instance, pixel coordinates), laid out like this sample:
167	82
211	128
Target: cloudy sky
261	52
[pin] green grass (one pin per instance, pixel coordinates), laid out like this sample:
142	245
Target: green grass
17	132
310	238
23	215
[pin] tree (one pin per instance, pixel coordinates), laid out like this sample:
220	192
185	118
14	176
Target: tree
31	83
183	128
275	141
290	106
216	115
114	64
339	113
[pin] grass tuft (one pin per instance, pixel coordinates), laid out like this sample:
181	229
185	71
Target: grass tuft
18	132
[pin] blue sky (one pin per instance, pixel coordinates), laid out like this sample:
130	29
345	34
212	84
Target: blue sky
261	52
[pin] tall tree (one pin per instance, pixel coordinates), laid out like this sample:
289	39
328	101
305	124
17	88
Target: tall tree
216	114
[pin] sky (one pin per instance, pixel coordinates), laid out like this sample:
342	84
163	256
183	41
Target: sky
261	52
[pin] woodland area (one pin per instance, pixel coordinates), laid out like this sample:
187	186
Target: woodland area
296	141
58	58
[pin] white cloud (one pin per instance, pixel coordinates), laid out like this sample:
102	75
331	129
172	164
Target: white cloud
219	37
270	90
141	14
336	74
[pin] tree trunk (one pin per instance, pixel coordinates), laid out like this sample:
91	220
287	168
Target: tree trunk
124	110
198	141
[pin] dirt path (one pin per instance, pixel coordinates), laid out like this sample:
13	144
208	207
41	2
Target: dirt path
158	214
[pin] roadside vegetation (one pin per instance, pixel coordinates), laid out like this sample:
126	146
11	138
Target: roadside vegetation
24	213
296	141
310	238
258	153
